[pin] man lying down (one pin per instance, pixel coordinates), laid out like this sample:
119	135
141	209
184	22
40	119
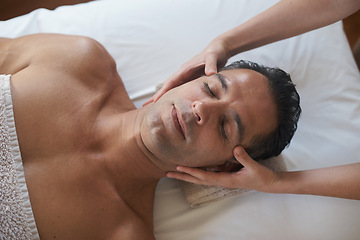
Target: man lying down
91	160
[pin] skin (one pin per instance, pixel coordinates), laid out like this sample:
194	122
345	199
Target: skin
202	114
339	181
66	94
285	19
91	159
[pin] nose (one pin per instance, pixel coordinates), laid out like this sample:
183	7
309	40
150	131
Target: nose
205	110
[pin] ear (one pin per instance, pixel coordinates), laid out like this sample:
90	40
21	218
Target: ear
229	166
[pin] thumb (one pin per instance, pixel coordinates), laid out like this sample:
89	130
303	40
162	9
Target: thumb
210	64
243	158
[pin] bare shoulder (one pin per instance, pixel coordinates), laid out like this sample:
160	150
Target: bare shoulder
57	51
63	61
74	53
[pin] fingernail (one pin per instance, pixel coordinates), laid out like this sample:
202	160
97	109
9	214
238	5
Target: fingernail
237	151
155	99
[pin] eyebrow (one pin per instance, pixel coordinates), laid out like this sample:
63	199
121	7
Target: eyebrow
222	80
240	126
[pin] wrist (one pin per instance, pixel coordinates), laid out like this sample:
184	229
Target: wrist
291	183
237	40
219	46
283	183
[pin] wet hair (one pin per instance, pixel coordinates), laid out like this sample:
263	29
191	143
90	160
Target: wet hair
287	102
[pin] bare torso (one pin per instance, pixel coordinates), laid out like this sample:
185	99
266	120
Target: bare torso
66	91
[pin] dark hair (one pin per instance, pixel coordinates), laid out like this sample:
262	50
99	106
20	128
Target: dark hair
287	101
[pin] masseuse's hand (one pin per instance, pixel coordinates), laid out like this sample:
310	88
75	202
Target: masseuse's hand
213	56
252	176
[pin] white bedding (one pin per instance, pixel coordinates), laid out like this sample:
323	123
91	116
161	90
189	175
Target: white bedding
151	39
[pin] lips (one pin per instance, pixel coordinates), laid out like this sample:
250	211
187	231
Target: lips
178	123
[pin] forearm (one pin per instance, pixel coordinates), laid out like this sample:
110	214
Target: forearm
286	19
339	181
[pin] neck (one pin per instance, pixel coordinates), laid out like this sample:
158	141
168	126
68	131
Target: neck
128	166
127	157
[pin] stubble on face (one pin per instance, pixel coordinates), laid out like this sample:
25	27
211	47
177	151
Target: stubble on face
165	141
159	134
202	146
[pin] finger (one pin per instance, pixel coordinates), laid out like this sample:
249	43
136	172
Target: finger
210	64
159	93
169	84
188	72
198	173
183	176
166	87
206	177
150	100
243	158
176	79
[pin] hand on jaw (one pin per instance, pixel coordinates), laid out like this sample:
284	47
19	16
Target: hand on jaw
252	176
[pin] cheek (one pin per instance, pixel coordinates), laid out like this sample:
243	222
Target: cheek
191	91
210	150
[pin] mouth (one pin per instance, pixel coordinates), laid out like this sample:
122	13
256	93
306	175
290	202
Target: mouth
178	123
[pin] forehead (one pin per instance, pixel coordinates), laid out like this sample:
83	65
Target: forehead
244	75
244	81
252	99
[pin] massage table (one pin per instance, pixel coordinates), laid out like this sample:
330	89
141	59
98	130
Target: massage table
150	40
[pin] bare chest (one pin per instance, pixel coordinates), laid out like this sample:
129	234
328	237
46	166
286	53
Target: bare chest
74	201
58	113
71	194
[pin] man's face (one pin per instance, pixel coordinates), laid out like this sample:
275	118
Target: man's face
198	124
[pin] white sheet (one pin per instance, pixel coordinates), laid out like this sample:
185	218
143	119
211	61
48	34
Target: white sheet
151	39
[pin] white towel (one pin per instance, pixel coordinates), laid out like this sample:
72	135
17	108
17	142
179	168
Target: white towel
16	216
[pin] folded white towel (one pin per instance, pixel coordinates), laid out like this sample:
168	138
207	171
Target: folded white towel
201	195
16	216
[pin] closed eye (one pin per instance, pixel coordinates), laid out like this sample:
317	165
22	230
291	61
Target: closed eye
222	130
222	125
208	90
